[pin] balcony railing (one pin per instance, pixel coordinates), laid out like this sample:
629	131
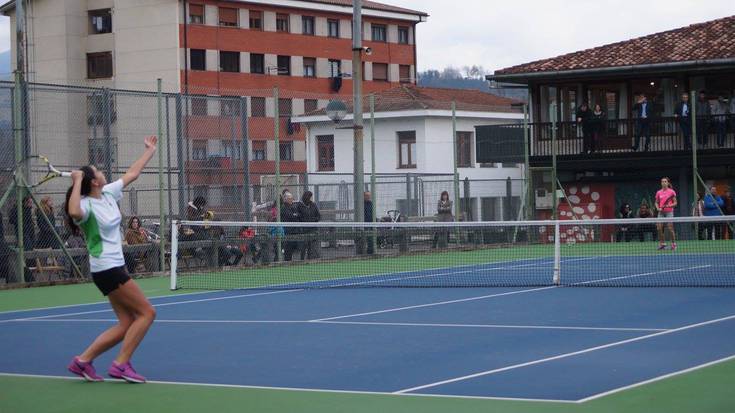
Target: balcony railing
618	136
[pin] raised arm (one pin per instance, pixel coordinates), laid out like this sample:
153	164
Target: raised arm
75	200
137	167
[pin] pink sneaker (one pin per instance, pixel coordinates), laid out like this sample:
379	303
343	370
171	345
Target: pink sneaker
673	247
84	369
126	372
662	247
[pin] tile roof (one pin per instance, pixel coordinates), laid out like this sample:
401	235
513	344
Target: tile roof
709	40
371	5
411	97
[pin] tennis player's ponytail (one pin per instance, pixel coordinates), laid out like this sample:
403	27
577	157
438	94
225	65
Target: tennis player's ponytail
86	188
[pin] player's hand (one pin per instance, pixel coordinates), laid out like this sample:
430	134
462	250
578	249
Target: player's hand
77	176
150	142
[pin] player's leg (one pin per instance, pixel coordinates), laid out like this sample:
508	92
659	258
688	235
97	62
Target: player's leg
661	238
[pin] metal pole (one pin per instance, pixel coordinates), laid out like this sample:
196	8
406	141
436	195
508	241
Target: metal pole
456	161
180	154
19	192
527	165
276	125
20	38
163	146
245	155
373	186
695	140
168	159
107	136
357	111
555	200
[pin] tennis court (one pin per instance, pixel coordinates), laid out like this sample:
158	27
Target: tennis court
539	343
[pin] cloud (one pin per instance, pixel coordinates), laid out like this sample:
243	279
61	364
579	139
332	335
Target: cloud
497	34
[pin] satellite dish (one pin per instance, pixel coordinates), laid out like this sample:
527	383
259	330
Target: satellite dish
336	110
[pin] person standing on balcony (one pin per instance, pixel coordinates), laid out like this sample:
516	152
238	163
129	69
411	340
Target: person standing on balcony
731	112
704	111
719	116
682	112
642	113
583	119
598	128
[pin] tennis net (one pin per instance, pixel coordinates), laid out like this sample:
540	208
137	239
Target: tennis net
610	253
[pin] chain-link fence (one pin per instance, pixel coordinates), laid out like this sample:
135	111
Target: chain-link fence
231	156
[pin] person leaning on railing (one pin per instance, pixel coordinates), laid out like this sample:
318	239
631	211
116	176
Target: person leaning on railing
719	116
682	113
704	113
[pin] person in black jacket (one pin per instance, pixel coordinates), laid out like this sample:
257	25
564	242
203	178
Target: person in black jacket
309	212
642	111
368	215
583	118
683	114
290	213
704	112
597	122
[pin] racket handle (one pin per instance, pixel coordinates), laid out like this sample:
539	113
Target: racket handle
66	174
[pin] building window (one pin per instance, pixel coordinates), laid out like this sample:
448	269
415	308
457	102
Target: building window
259	153
199	106
228	17
282	22
403	35
230	149
100	21
257	107
284	65
198	59
335	68
333	28
404	73
464	149
257	63
407	149
286	150
307	25
309	67
378	31
196	13
256	20
229	61
232	195
285	107
99	65
199	150
229	106
380	72
325	153
310	105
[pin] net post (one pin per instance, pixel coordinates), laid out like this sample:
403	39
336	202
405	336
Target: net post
162	146
276	132
174	252
374	238
557	253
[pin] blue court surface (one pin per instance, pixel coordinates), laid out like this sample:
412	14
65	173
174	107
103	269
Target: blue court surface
536	342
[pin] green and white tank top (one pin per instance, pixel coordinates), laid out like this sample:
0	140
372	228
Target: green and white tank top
101	227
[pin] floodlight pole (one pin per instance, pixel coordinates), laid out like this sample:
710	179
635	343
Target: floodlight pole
555	200
357	109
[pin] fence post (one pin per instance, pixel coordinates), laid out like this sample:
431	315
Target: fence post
18	127
408	195
276	126
180	154
107	135
162	146
245	155
168	159
508	200
454	151
372	171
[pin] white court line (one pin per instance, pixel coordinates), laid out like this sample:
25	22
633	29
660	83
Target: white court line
565	355
655	379
300	389
154	305
643	274
358	323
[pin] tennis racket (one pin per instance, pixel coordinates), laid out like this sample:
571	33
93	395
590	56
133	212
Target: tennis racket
666	203
36	170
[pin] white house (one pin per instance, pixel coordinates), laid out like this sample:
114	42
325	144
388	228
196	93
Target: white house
414	152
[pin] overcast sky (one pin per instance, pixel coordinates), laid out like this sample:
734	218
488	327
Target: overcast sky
497	34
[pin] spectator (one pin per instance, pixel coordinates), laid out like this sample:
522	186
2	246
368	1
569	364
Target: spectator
698	211
74	240
368	215
309	212
135	235
713	205
642	113
583	119
642	229
29	231
728	209
704	111
682	113
598	129
6	270
719	116
46	237
443	214
228	255
247	234
625	232
290	213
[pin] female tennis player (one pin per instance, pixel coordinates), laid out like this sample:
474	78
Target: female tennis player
665	204
91	203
